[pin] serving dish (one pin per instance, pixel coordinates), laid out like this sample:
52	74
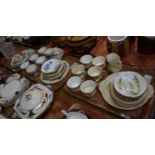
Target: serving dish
13	88
34	102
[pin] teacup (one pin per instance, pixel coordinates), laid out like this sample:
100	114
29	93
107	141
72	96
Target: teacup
114	62
42	50
86	60
95	72
99	61
34	57
78	70
74	83
88	88
32	69
40	60
24	65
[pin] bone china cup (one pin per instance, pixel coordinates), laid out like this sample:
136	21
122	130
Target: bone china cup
86	60
95	71
78	69
99	61
74	83
88	88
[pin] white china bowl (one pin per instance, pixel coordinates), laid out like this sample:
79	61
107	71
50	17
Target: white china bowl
74	83
88	88
95	71
86	59
78	69
130	84
99	61
50	66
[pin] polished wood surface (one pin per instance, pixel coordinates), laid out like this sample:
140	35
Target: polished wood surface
64	101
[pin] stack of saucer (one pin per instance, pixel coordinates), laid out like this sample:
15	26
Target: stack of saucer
54	71
126	90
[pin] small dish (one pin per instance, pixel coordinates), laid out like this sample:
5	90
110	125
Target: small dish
86	60
41	60
34	57
88	88
42	50
74	83
24	65
99	61
31	69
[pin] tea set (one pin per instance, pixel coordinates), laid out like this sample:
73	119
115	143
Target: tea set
87	74
30	61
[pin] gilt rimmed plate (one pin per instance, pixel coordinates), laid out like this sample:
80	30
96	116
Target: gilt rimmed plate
58	79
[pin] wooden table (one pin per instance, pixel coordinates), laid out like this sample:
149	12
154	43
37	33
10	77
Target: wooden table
64	101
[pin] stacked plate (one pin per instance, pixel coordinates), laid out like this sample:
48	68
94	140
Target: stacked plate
13	87
34	101
126	90
54	70
19	59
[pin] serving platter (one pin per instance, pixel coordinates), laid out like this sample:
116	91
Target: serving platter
105	89
34	102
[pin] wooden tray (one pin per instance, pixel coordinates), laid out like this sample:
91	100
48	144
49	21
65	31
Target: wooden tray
33	78
98	101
